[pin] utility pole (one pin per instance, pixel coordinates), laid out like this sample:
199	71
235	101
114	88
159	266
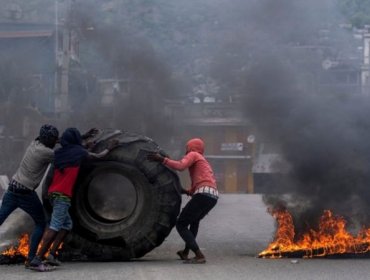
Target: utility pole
62	56
365	71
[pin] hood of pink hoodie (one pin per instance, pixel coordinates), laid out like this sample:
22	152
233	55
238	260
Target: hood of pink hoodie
195	145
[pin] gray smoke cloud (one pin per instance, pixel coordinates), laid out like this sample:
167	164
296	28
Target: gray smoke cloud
324	139
114	51
264	50
108	51
323	133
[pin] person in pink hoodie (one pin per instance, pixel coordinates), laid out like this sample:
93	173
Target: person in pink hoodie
203	191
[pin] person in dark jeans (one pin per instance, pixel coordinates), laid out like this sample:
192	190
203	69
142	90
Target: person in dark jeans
203	191
21	190
191	215
67	163
27	200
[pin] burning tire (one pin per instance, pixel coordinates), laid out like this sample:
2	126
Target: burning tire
123	206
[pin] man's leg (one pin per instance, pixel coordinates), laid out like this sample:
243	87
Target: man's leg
60	211
188	216
36	263
207	206
31	204
184	254
46	241
197	208
194	228
8	205
59	239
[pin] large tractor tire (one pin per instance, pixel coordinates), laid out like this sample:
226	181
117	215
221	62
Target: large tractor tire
123	206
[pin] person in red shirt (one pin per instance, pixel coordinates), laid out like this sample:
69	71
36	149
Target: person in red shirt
67	163
203	191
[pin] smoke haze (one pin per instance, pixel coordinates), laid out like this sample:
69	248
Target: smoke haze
114	51
322	133
265	51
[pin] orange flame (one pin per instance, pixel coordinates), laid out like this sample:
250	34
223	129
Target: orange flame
330	238
21	249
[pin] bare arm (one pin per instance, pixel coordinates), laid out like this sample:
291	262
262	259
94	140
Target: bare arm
111	145
182	164
99	155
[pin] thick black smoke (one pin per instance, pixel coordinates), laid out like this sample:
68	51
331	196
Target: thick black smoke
268	51
323	133
107	50
112	50
325	140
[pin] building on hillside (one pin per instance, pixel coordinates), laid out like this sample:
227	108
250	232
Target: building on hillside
35	64
28	64
31	75
228	138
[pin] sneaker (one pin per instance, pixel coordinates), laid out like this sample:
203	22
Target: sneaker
42	267
50	259
182	255
35	261
195	261
27	264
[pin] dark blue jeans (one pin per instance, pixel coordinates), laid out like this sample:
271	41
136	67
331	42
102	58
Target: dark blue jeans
188	222
31	204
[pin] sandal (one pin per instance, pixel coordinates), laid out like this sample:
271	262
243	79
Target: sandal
53	261
195	261
42	268
182	255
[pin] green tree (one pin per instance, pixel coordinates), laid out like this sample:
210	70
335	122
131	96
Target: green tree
356	11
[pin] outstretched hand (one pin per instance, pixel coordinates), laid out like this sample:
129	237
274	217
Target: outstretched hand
155	157
91	133
89	145
112	144
184	191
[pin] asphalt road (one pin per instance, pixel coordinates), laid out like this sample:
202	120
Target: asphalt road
231	236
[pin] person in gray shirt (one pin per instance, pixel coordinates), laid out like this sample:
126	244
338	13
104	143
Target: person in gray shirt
21	190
